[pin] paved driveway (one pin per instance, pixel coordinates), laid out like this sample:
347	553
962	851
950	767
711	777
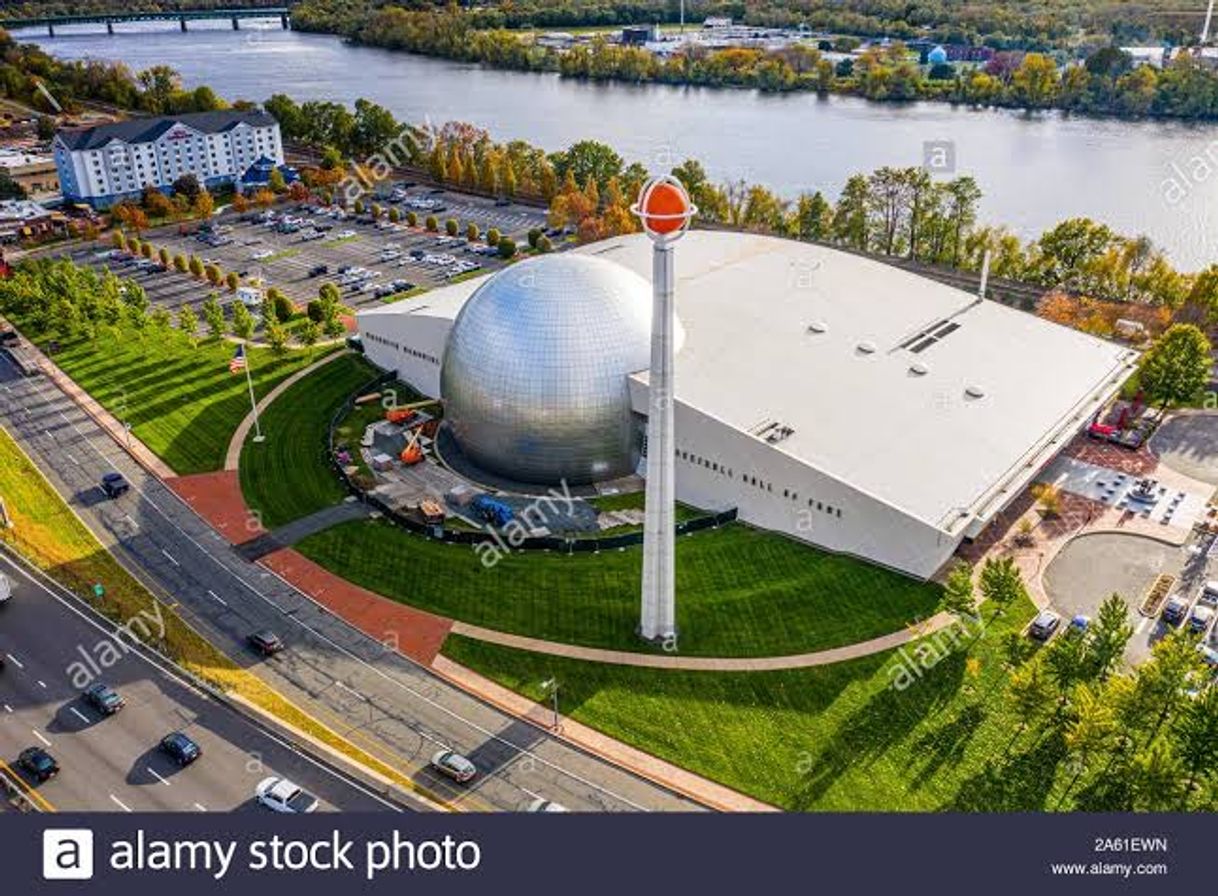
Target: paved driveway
1092	567
1189	445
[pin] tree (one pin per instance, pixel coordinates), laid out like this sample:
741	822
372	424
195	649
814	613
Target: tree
188	322
814	217
1092	732
1108	635
958	590
333	326
163	256
187	185
180	263
308	333
1002	582
118	240
277	337
1035	82
9	188
1177	366
492	236
451	227
213	275
213	315
1196	734
1030	691
204	205
195	266
243	321
329	295
432	224
588	159
232	281
275	182
507	247
283	308
471	232
1155	778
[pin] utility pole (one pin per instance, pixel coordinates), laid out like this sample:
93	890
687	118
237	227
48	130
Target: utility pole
1209	19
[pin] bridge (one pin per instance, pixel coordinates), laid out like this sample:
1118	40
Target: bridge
110	19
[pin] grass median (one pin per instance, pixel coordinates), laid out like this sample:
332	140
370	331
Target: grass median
48	533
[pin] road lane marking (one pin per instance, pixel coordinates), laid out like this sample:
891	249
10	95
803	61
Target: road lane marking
16	662
1142	626
169	557
41	683
200	807
7	708
80	715
38	734
120	803
217	598
152	771
339	684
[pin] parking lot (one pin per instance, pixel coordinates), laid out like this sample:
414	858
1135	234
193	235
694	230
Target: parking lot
370	262
1091	568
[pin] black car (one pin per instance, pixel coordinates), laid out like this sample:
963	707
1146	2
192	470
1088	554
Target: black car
103	698
114	485
502	201
318	270
180	748
266	642
8	336
38	763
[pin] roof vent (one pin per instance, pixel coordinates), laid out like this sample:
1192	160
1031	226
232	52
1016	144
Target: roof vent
818	326
974	392
919	369
866	348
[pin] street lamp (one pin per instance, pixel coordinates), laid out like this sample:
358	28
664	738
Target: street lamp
665	211
549	687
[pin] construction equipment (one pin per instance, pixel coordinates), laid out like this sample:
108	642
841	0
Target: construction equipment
413	452
431	511
399	415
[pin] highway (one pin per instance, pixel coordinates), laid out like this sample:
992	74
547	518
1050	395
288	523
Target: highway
388	705
113	764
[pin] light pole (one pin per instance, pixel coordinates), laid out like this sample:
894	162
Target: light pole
550	688
665	211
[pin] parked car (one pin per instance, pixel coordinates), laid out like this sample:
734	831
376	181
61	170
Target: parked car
181	748
114	485
265	642
1080	624
38	763
1044	625
1209	594
543	805
1175	610
1201	617
319	270
103	698
453	765
281	795
262	255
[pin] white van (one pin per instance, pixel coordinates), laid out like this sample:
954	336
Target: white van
249	297
6	588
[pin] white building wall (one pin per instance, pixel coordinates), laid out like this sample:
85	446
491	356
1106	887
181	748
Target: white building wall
412	345
719	467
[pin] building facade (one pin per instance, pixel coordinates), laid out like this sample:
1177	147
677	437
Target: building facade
836	399
108	163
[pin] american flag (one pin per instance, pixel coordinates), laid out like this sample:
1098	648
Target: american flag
238	361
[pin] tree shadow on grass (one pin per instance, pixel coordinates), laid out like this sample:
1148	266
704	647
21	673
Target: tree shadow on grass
1021	782
875	728
946	744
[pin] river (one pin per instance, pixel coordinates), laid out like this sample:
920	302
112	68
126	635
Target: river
1035	169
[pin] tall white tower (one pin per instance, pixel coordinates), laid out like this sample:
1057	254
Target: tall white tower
665	211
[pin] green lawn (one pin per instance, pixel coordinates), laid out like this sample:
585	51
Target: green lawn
180	400
834	738
287	476
740	591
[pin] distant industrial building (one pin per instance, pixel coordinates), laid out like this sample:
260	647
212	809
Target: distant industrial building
833	398
33	172
107	163
23	219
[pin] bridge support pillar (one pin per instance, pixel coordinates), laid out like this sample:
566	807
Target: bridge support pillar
283	20
50	30
109	27
182	22
236	24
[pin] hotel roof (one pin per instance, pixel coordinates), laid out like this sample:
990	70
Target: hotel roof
145	130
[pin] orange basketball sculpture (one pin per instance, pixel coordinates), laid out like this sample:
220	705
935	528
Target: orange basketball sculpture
664	208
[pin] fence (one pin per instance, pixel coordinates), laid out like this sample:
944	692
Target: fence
562	544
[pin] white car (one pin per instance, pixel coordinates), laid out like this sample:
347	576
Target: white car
6	588
263	254
453	765
281	795
541	804
345	234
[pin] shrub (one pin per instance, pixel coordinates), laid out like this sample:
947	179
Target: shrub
492	236
432	224
451	227
395	215
358	207
179	263
412	219
507	247
284	309
534	235
232	281
544	244
119	241
195	266
316	310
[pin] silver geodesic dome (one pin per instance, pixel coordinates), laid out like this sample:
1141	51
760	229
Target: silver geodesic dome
535	370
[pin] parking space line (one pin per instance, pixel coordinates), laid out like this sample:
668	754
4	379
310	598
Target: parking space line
80	715
38	734
120	803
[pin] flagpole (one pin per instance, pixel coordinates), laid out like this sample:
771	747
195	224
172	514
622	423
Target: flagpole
249	379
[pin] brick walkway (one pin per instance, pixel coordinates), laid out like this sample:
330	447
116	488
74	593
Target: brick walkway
411	632
1105	454
217	498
